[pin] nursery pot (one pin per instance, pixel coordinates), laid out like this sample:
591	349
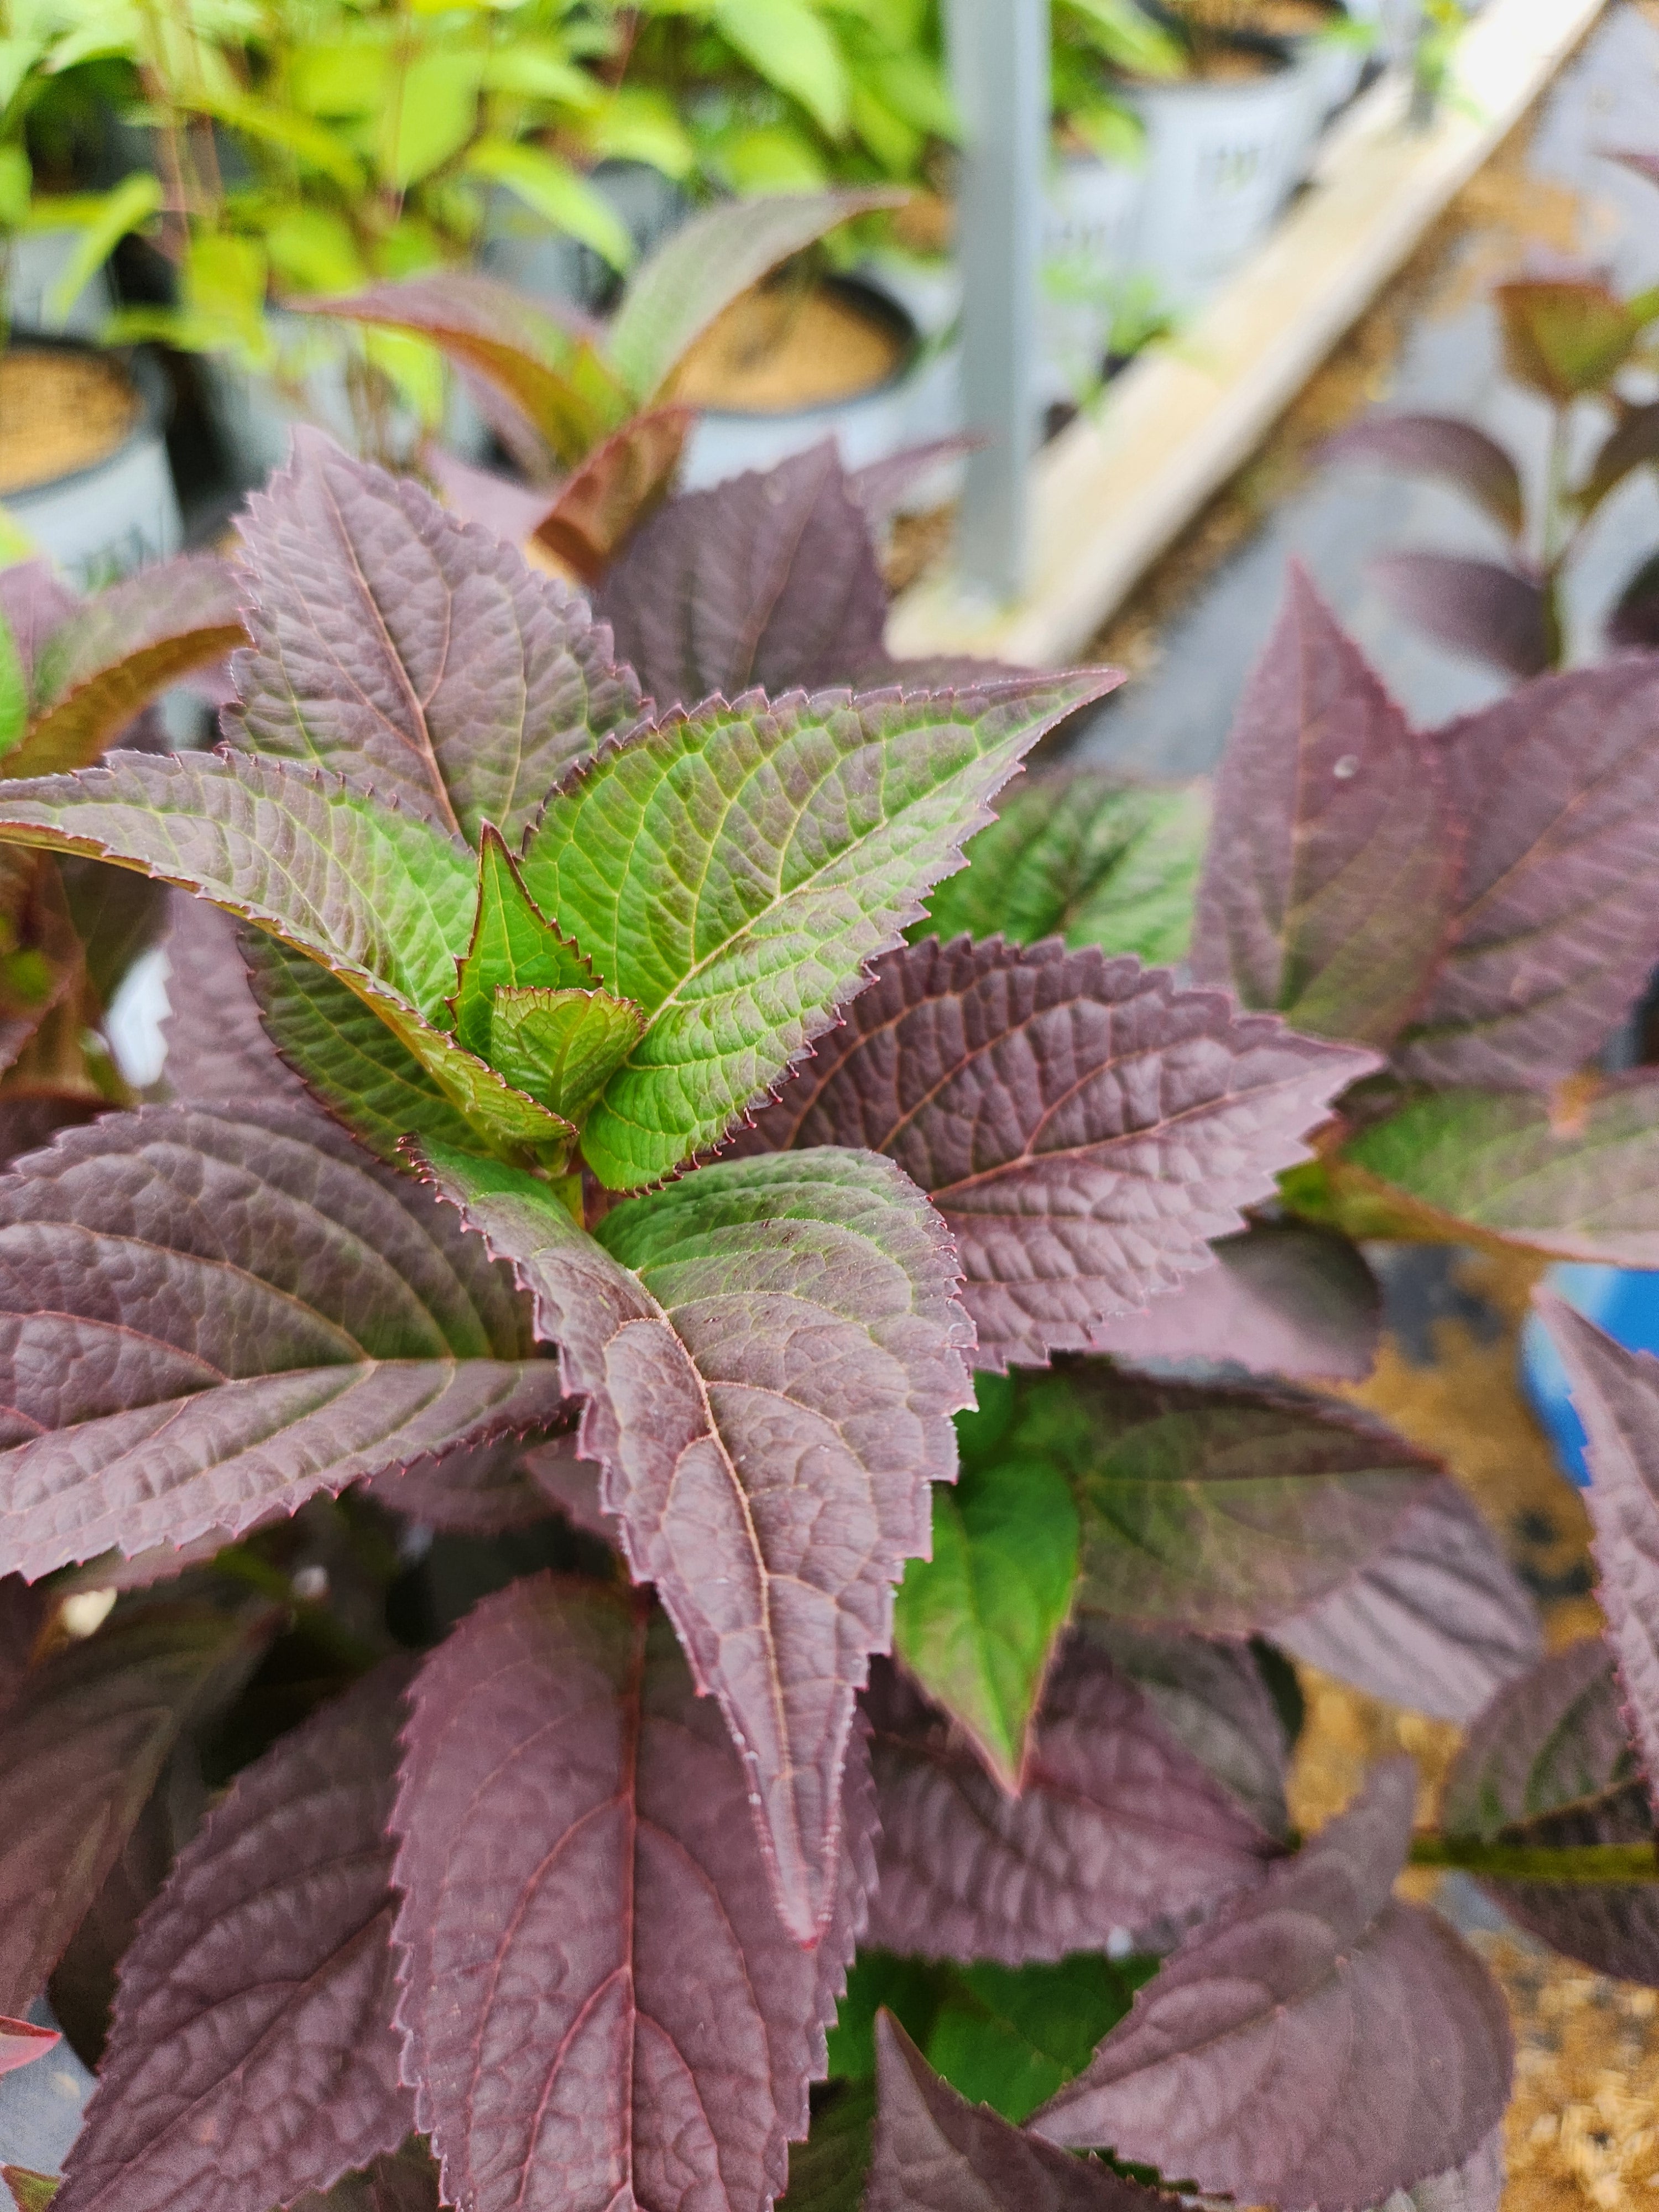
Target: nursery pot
1223	156
781	371
255	412
526	252
1091	219
35	261
84	465
1335	65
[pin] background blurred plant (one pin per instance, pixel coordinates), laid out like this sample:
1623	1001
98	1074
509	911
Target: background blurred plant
1575	344
781	96
312	147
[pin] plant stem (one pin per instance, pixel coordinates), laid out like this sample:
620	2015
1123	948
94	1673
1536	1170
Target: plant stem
1574	1862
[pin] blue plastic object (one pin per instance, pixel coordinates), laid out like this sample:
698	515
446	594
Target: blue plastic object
1618	1299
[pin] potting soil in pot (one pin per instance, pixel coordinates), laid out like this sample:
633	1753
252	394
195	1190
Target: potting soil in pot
59	412
779	350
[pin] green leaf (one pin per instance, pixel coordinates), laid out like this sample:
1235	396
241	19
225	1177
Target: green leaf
13	691
382	899
513	946
1225	1511
1010	2037
1079	854
554	189
16	177
109	218
435	108
827	2171
731	871
1003	2036
371	1085
702	267
1584	1186
32	2193
640	124
976	1624
791	45
1565	336
561	1046
310	142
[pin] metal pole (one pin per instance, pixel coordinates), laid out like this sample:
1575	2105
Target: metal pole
1000	62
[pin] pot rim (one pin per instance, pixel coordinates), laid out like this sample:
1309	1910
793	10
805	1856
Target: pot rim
888	310
144	378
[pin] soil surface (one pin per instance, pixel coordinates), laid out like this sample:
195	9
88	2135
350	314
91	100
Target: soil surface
59	411
780	347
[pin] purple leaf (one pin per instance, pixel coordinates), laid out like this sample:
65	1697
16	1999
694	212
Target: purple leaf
81	1987
700	267
413	652
472	1493
880	486
1558	787
1084	1126
1439	446
769	579
1229	1511
1437	1620
216	1049
1633	625
501	505
1314	2043
770	1351
24	1611
934	2152
31	1119
1117	1826
1486	610
1550	1764
599	2000
1329	886
1209	1693
34	600
117	652
207	1316
613	493
80	1753
252	2054
1280	1300
540	362
1631	444
21	2043
1616	1394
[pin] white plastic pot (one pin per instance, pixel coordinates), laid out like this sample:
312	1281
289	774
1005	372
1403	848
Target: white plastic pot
255	413
120	514
921	401
1089	244
529	254
1335	65
35	262
1221	160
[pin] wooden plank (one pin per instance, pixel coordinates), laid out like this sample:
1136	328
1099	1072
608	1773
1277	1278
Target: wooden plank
1113	490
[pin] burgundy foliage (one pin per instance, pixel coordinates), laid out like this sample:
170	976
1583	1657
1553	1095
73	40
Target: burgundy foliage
1395	2035
1084	1126
1117	1827
1327	890
599	2001
936	2153
1550	1763
583	1234
252	2054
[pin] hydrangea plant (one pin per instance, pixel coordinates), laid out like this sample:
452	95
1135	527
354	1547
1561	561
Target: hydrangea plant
635	1411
